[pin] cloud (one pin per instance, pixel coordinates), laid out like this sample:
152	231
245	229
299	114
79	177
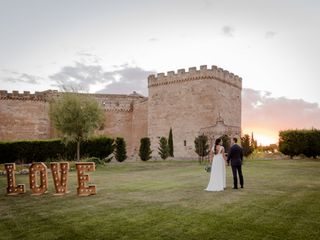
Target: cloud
85	78
262	111
127	79
16	77
270	34
78	77
88	58
228	31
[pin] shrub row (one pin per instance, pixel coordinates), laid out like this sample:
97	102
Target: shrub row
53	150
296	142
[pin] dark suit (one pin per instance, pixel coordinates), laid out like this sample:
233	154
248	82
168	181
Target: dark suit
235	155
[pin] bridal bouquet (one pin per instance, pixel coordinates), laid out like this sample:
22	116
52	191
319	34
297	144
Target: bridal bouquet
207	168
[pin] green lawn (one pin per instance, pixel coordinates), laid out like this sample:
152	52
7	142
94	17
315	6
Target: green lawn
166	200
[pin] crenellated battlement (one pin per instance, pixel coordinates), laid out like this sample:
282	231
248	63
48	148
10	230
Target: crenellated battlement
109	102
26	95
117	102
117	106
182	75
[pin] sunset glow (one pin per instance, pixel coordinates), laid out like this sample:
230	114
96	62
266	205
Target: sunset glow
263	136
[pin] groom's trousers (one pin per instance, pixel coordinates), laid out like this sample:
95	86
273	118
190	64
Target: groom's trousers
236	169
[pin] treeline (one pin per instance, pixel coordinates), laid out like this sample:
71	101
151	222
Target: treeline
202	145
271	148
297	142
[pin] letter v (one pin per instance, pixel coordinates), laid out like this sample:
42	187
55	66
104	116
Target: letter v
60	181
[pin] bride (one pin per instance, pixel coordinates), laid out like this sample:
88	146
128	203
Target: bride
218	168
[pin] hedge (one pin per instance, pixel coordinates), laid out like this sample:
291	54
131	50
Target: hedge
100	147
53	150
296	142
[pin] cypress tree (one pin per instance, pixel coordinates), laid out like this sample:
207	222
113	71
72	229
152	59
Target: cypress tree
163	149
170	143
246	146
145	150
254	143
120	150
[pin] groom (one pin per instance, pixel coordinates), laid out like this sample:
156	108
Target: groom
235	155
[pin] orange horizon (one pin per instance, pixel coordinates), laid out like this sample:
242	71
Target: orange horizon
262	136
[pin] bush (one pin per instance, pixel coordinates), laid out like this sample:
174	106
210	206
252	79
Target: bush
100	147
163	149
7	152
31	151
201	146
226	142
52	150
96	160
296	142
145	150
246	145
120	153
312	143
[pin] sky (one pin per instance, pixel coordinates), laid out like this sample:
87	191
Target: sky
112	46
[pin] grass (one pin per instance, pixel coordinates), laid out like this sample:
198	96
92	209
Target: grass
166	200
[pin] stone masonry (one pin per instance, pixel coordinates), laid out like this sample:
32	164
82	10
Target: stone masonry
191	102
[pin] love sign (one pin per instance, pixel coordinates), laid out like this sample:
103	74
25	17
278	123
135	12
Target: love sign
38	178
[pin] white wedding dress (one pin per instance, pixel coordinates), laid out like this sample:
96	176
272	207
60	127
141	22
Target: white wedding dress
218	172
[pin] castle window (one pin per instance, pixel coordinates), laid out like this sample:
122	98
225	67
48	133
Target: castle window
185	143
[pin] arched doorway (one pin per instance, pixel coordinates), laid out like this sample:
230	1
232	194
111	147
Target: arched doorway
220	130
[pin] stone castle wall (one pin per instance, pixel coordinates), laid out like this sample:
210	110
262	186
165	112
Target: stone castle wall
120	110
189	101
139	125
25	116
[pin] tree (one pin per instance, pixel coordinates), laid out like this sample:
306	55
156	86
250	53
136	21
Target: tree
254	142
269	148
201	146
311	143
273	147
120	153
246	146
145	150
226	142
170	143
163	149
75	117
290	143
296	142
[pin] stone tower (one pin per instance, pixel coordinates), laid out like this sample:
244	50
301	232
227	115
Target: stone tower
191	101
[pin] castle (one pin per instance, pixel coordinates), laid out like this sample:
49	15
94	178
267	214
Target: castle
194	102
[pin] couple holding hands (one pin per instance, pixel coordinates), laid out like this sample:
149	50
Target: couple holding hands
217	180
